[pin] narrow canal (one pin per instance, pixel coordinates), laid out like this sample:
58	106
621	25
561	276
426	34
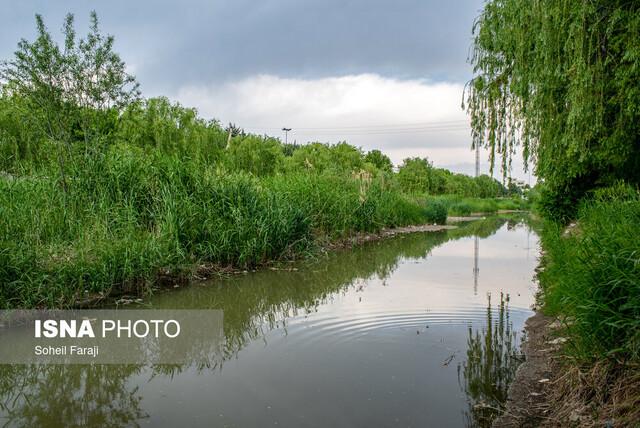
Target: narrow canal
419	330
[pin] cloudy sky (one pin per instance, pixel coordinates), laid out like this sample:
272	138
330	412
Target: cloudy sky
378	74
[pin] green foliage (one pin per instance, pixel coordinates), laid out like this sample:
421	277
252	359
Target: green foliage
379	160
70	93
259	156
436	211
417	175
619	191
414	175
562	80
488	187
156	124
22	145
559	203
461	208
591	277
339	158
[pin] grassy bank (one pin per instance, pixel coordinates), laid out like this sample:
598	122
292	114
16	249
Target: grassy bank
129	219
590	278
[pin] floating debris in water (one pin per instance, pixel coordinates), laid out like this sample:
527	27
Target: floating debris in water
448	360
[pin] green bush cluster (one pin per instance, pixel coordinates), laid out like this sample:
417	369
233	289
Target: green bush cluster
436	211
591	276
418	175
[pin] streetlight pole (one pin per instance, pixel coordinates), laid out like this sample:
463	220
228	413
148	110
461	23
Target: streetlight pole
286	134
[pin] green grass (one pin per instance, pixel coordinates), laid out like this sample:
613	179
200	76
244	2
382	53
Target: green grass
591	279
131	217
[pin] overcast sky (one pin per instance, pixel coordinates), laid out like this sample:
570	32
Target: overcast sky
379	74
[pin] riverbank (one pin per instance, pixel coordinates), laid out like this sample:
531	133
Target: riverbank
360	238
528	398
551	390
583	355
127	223
204	271
131	220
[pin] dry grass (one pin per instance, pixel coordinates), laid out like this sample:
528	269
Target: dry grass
602	395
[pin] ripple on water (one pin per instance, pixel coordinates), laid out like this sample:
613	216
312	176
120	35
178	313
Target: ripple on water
349	326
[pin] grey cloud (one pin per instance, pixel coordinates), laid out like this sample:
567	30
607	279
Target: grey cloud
199	41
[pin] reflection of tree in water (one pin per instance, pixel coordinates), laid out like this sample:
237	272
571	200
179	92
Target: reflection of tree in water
71	395
68	396
254	304
492	359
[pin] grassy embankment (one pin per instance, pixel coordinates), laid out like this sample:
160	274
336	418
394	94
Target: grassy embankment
590	279
129	219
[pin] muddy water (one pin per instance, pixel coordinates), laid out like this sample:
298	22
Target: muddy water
419	330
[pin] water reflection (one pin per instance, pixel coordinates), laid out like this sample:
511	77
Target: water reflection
257	303
69	396
354	338
493	355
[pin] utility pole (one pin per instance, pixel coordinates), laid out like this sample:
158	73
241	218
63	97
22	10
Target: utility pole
476	240
477	160
286	134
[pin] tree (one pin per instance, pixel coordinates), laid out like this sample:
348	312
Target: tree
379	160
261	156
414	175
171	129
560	79
79	86
341	158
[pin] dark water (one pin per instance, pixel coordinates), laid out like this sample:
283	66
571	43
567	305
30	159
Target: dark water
412	331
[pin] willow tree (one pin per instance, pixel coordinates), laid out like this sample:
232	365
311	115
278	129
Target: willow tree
560	79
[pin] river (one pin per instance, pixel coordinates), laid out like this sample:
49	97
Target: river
422	329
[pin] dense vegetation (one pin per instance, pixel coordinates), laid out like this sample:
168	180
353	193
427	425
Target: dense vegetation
592	276
561	80
103	191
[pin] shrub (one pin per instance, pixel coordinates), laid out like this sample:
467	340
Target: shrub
460	208
592	276
435	211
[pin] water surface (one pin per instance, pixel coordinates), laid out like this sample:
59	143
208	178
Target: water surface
419	330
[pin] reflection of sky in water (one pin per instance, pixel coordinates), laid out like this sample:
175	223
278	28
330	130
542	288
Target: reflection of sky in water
371	353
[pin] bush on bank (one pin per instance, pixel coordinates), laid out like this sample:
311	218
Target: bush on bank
591	276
